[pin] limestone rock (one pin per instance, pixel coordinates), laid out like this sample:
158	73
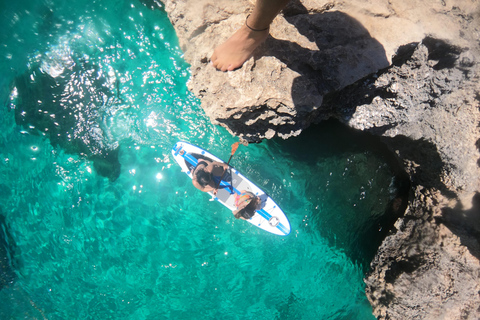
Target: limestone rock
426	108
405	70
316	47
430	94
423	270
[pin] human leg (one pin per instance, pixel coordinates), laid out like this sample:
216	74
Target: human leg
240	46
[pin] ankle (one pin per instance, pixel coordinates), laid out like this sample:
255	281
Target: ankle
254	27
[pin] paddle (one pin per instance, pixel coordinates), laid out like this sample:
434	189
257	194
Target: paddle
234	149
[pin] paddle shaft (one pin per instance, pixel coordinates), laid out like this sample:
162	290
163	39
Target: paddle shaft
234	148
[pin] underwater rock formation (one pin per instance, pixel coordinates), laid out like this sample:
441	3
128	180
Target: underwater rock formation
7	247
404	70
65	100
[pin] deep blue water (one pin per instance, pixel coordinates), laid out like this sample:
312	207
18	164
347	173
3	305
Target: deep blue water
101	222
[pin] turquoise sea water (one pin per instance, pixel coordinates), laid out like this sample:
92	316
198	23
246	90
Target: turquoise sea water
145	244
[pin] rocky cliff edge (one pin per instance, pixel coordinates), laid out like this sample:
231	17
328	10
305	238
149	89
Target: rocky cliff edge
407	71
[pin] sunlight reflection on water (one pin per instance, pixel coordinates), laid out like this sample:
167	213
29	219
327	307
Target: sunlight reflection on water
110	77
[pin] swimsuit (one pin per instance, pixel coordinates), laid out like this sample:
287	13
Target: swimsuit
244	198
201	162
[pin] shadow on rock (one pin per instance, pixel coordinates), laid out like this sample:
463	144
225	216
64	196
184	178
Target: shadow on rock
374	187
427	165
346	53
414	85
65	100
478	147
7	250
465	224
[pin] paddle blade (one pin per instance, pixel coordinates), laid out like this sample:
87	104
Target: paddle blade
235	147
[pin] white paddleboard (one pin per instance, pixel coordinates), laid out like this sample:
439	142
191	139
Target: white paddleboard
269	217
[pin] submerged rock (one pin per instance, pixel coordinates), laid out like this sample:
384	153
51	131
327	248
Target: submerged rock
65	100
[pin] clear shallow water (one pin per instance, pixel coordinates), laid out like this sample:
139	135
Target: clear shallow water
148	245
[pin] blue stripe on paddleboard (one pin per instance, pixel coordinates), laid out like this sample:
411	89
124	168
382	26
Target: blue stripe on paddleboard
193	161
268	216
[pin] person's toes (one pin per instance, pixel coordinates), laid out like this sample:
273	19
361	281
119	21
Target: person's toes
213	58
216	64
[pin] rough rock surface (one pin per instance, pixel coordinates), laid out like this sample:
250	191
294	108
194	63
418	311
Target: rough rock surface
405	70
316	47
426	108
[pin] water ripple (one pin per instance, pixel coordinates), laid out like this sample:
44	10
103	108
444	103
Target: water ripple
106	84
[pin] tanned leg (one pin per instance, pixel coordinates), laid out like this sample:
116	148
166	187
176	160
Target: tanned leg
240	46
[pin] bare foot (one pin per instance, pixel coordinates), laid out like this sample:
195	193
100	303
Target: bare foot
237	49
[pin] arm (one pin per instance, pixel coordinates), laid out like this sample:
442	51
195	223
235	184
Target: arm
218	168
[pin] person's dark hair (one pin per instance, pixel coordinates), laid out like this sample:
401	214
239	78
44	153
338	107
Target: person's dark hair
248	211
203	177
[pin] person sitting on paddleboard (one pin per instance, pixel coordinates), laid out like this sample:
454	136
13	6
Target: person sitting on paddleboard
202	177
247	203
